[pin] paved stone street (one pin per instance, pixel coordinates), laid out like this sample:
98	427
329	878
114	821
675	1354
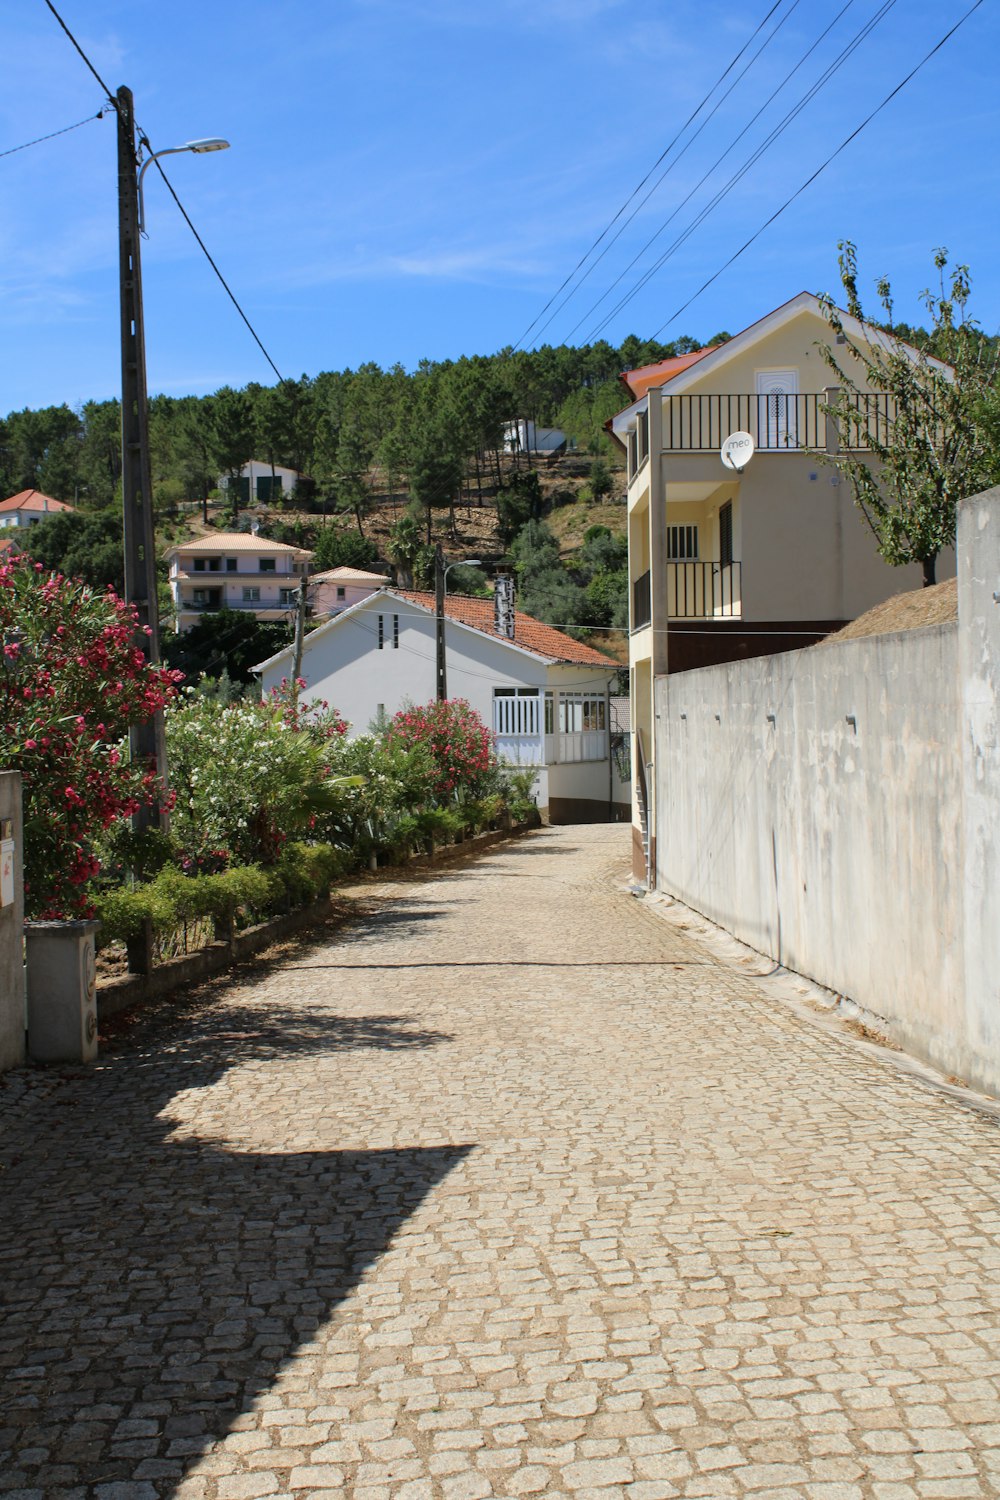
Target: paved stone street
506	1188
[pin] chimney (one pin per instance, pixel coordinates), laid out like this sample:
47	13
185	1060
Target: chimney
503	605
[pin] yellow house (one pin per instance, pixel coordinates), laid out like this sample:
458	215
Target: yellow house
741	541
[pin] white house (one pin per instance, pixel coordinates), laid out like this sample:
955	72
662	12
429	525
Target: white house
234	570
526	437
332	592
260	484
28	507
545	695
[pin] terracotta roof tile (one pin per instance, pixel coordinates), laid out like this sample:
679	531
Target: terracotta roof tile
544	640
639	381
33	500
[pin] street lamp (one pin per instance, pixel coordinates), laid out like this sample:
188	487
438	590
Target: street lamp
210	143
146	741
441	571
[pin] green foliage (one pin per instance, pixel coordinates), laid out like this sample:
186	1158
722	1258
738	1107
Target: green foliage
246	779
933	441
227	641
83	545
457	742
545	589
601	482
518	501
342	549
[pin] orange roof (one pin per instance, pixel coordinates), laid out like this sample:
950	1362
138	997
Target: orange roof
33	500
641	380
543	640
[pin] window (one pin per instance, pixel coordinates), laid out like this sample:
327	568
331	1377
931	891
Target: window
516	712
395	632
199	565
682	543
268	565
726	534
381	631
550	714
208	564
341	591
251	595
287	596
230	564
582	726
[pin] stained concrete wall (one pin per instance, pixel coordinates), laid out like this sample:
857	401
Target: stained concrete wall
979	665
838	809
11	934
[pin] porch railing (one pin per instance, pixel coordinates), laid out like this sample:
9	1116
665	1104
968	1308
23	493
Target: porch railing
695	591
704	590
777	423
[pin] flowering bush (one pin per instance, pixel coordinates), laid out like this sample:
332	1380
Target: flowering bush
247	776
72	680
458	743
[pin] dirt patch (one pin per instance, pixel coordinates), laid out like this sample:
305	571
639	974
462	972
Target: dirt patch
937	605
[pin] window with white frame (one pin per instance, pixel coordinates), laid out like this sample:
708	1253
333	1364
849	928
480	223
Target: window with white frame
251	596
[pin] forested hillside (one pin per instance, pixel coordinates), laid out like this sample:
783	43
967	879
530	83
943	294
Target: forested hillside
352	432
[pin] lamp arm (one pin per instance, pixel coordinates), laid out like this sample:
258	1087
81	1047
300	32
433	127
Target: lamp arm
170	151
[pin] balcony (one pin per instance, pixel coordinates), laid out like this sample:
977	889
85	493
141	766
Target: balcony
777	424
695	591
256	606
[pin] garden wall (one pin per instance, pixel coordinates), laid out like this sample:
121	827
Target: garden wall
838	809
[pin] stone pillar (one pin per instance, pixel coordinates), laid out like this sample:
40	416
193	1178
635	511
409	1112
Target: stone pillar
11	922
978	545
62	991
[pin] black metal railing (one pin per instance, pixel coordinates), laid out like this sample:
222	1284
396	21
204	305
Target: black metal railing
704	590
642	605
777	423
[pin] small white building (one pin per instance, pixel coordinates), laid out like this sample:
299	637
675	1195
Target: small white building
259	484
28	507
332	592
234	570
527	437
544	695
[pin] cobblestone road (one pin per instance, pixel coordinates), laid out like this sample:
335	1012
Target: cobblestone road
508	1188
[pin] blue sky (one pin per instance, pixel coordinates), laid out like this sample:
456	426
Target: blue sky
414	178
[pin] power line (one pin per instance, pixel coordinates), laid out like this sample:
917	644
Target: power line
53	133
642	184
110	96
718	161
759	151
822	168
144	141
669	168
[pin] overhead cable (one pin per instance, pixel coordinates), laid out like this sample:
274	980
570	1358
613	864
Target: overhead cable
663	154
759	151
670	167
53	133
823	166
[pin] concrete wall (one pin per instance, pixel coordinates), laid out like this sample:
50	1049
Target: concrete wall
979	667
839	810
11	933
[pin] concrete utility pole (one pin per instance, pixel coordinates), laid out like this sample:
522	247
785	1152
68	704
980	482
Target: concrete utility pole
146	741
439	576
301	610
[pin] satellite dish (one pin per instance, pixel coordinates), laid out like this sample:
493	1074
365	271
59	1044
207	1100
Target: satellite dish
737	450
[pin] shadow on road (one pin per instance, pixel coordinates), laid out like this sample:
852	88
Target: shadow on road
153	1288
